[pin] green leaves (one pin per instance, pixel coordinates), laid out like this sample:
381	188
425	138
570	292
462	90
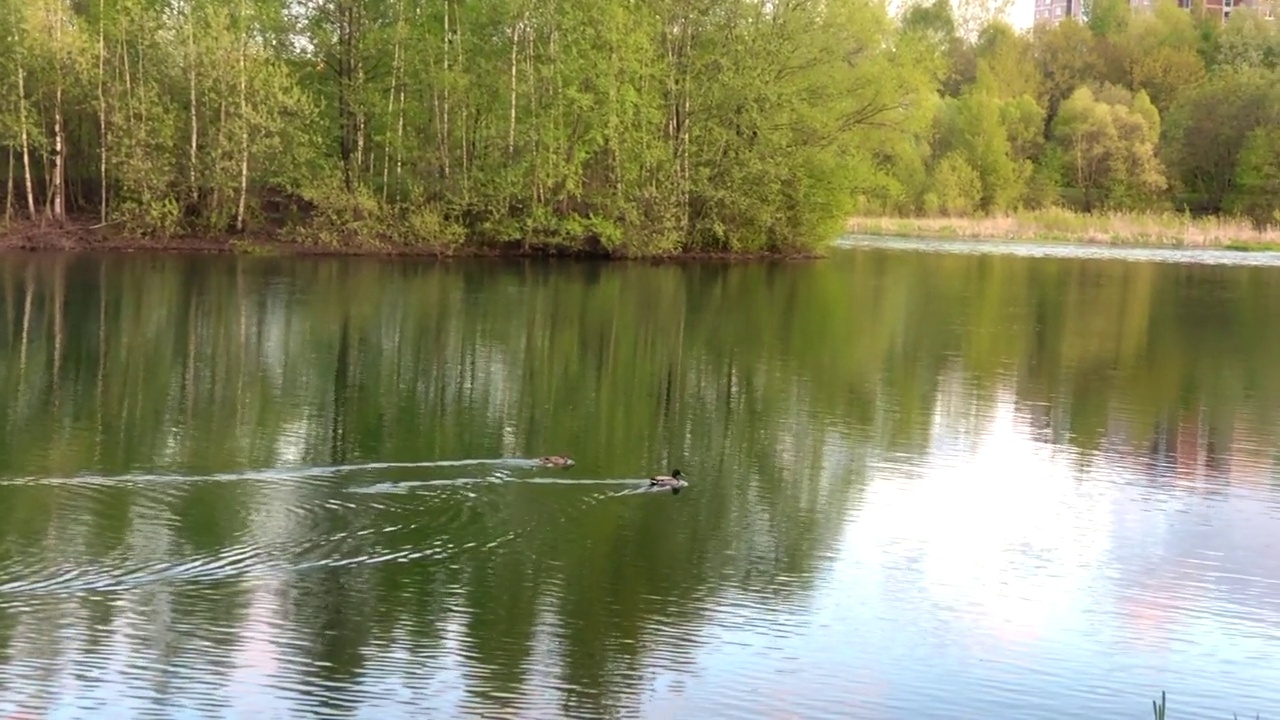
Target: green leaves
1108	144
616	126
1207	128
1256	194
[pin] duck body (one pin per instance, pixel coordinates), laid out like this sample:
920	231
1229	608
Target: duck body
559	461
672	481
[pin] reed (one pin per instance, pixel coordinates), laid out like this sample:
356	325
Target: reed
1158	708
1057	225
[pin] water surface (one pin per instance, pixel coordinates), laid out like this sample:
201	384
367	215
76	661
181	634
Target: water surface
922	484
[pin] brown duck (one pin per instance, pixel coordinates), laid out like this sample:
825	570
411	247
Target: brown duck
672	481
559	461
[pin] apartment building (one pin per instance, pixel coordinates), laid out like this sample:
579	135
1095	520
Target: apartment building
1223	8
1054	11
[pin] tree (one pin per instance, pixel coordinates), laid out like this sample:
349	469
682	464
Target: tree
1107	18
933	26
1159	53
1206	130
974	126
1108	143
1256	194
615	127
1250	40
1009	59
1067	58
956	187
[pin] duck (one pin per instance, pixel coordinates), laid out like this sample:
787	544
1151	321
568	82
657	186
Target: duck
559	461
672	481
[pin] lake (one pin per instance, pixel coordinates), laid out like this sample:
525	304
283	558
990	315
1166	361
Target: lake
943	484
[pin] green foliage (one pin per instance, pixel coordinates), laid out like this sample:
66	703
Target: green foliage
1207	128
1170	100
974	129
1249	40
1159	53
1108	144
617	127
1023	121
957	187
631	128
1007	59
1067	57
1256	194
1107	18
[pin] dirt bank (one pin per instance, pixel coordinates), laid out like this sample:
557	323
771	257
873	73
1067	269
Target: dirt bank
86	236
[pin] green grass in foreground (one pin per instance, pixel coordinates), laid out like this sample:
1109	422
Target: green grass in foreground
1164	229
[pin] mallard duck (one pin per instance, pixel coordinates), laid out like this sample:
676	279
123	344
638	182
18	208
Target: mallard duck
672	481
555	461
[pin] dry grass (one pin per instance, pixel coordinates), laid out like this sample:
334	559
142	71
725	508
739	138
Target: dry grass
1168	229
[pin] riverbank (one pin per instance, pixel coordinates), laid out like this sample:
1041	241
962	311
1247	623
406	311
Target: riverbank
1127	229
85	236
1142	229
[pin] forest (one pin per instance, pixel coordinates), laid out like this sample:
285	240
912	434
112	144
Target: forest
618	127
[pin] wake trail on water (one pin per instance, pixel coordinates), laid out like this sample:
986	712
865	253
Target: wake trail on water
323	530
404	486
304	473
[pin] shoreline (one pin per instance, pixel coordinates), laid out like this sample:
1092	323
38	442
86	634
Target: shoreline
86	238
1052	226
1057	226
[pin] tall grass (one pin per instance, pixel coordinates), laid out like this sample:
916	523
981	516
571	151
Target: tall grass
1119	228
1158	708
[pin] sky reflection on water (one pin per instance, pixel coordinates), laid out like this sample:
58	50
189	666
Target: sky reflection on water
922	485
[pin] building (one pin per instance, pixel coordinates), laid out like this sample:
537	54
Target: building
1223	8
1054	11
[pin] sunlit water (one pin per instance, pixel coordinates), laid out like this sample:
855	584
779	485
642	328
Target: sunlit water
944	484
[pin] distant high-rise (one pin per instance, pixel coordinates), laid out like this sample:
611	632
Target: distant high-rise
1055	11
1224	7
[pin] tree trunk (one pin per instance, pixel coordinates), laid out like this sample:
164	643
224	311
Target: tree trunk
102	112
8	192
533	112
128	80
47	208
346	18
399	140
244	129
466	180
218	147
444	147
511	123
26	146
357	74
195	126
142	106
684	130
59	188
391	98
